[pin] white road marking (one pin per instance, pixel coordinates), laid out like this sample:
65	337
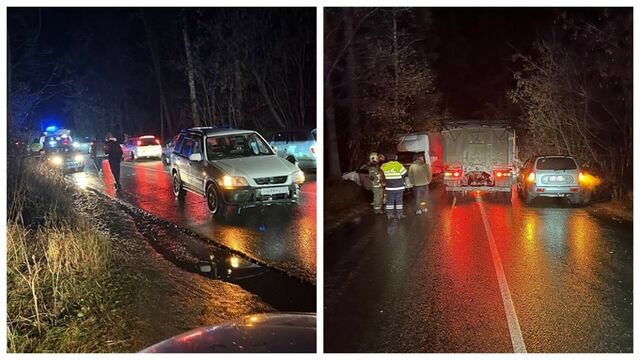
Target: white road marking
454	202
512	319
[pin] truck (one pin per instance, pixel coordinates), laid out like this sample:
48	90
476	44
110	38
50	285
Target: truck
428	144
479	156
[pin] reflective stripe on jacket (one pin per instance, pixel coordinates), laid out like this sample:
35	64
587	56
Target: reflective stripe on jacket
393	173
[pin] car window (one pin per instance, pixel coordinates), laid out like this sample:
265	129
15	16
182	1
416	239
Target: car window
298	136
187	147
147	141
236	145
178	145
556	163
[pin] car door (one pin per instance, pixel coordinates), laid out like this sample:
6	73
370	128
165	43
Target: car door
195	168
182	161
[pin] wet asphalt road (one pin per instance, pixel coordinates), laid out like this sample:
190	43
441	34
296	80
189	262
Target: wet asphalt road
432	283
280	236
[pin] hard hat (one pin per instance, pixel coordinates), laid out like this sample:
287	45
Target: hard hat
373	156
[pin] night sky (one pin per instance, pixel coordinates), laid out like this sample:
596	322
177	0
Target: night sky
474	48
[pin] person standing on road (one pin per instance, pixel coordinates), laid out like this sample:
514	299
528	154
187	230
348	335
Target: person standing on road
97	153
394	174
376	183
114	152
420	177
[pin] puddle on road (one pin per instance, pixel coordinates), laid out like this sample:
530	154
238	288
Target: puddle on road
195	254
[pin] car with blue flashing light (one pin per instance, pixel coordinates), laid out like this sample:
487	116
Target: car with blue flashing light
557	176
233	169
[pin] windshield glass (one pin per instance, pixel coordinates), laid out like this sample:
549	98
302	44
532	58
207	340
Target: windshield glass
556	163
236	145
147	141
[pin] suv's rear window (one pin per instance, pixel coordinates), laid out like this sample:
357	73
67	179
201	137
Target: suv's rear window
147	141
556	163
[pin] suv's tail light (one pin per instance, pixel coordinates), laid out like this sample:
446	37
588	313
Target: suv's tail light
531	177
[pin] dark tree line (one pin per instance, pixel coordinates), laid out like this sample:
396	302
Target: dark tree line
131	71
378	82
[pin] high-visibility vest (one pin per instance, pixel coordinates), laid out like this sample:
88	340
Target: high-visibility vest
393	174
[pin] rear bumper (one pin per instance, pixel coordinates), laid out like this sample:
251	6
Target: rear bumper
253	197
555	191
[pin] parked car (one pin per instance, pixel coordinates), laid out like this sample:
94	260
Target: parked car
552	176
168	149
65	159
232	168
296	146
82	145
142	147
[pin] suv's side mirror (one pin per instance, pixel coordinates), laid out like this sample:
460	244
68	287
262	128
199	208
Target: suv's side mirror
195	157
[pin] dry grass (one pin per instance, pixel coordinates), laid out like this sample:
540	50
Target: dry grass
58	271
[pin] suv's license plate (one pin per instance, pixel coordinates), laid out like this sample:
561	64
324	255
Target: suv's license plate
274	190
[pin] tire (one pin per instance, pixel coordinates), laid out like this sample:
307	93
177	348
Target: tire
178	189
215	201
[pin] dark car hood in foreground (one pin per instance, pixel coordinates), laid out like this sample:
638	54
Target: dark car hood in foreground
261	333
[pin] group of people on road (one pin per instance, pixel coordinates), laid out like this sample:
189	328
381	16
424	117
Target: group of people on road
109	148
389	178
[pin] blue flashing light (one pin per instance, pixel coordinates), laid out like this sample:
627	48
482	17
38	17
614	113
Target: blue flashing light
51	128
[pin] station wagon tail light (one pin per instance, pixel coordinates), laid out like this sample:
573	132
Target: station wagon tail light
532	177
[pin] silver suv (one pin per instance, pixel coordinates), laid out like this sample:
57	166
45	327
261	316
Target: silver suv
552	176
232	169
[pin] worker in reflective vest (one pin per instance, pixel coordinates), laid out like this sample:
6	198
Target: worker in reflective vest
394	173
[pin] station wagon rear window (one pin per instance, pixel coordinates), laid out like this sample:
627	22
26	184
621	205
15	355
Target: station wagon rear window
556	163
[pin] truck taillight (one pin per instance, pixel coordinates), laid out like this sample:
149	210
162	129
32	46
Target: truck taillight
456	174
498	174
532	177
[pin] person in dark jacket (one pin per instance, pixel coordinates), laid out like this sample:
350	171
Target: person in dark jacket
114	153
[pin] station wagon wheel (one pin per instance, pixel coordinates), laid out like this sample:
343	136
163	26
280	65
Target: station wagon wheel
178	190
215	202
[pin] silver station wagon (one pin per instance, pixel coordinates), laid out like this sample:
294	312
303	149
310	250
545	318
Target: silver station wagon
552	176
233	169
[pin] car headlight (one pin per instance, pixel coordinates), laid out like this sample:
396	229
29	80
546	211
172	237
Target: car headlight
78	158
298	177
57	160
230	182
